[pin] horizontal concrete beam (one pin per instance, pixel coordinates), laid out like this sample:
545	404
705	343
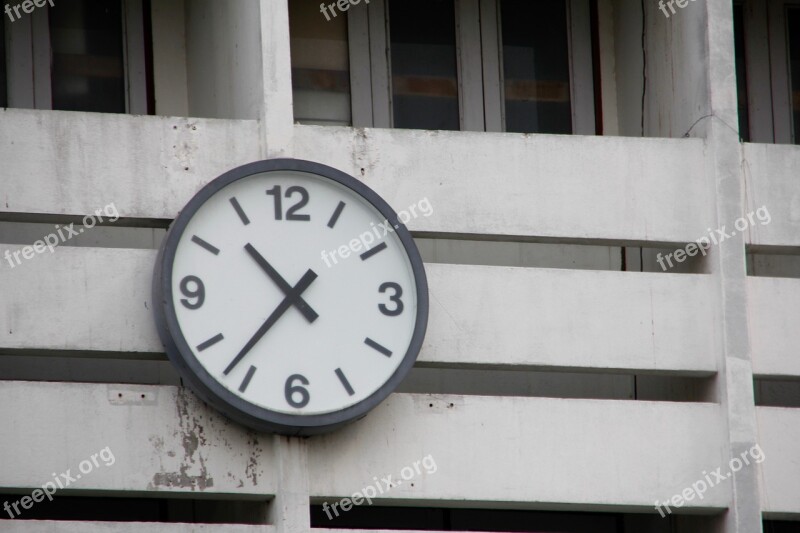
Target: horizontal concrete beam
148	166
538	453
161	439
770	172
569	319
779	433
774	310
555	187
491	317
561	453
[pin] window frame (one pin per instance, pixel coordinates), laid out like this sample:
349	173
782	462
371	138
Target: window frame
29	60
478	62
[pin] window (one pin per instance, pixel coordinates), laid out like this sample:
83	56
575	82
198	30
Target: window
472	65
320	66
741	71
767	37
87	72
793	27
535	66
423	63
79	55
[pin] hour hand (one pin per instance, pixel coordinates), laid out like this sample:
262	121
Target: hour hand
295	298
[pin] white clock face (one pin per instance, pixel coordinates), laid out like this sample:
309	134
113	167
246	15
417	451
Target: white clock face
280	301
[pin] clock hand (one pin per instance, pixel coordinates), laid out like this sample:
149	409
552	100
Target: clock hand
287	302
296	300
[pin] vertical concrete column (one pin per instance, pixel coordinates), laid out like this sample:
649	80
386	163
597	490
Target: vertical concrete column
735	380
289	510
170	75
223	59
277	116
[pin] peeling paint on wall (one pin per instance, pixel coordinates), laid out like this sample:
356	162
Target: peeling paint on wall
192	436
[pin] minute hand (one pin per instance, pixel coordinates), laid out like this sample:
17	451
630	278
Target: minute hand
298	289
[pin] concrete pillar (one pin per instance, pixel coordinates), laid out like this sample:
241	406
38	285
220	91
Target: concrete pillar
289	511
277	114
728	266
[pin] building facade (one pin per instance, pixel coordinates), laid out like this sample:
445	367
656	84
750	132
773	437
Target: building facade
611	250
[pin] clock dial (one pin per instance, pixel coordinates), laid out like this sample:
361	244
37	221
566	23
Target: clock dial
291	297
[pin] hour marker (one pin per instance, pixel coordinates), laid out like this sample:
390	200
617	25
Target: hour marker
369	253
344	381
336	213
247	379
374	345
210	342
239	211
213	249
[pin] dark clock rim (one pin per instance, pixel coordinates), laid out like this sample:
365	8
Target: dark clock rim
205	385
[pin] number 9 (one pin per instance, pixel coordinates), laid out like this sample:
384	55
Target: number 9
198	292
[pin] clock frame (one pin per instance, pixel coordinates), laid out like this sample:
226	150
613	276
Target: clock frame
208	387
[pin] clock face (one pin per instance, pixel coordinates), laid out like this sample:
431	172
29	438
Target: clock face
290	296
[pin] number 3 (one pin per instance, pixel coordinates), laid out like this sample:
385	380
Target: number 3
398	292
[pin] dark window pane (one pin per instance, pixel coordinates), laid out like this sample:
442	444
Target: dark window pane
88	72
130	509
320	65
793	19
741	71
437	519
3	82
536	66
424	72
778	526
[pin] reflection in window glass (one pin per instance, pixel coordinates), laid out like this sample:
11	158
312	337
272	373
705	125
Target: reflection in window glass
536	66
320	65
793	23
3	82
88	71
424	71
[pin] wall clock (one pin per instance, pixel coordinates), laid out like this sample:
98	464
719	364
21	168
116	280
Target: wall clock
275	308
